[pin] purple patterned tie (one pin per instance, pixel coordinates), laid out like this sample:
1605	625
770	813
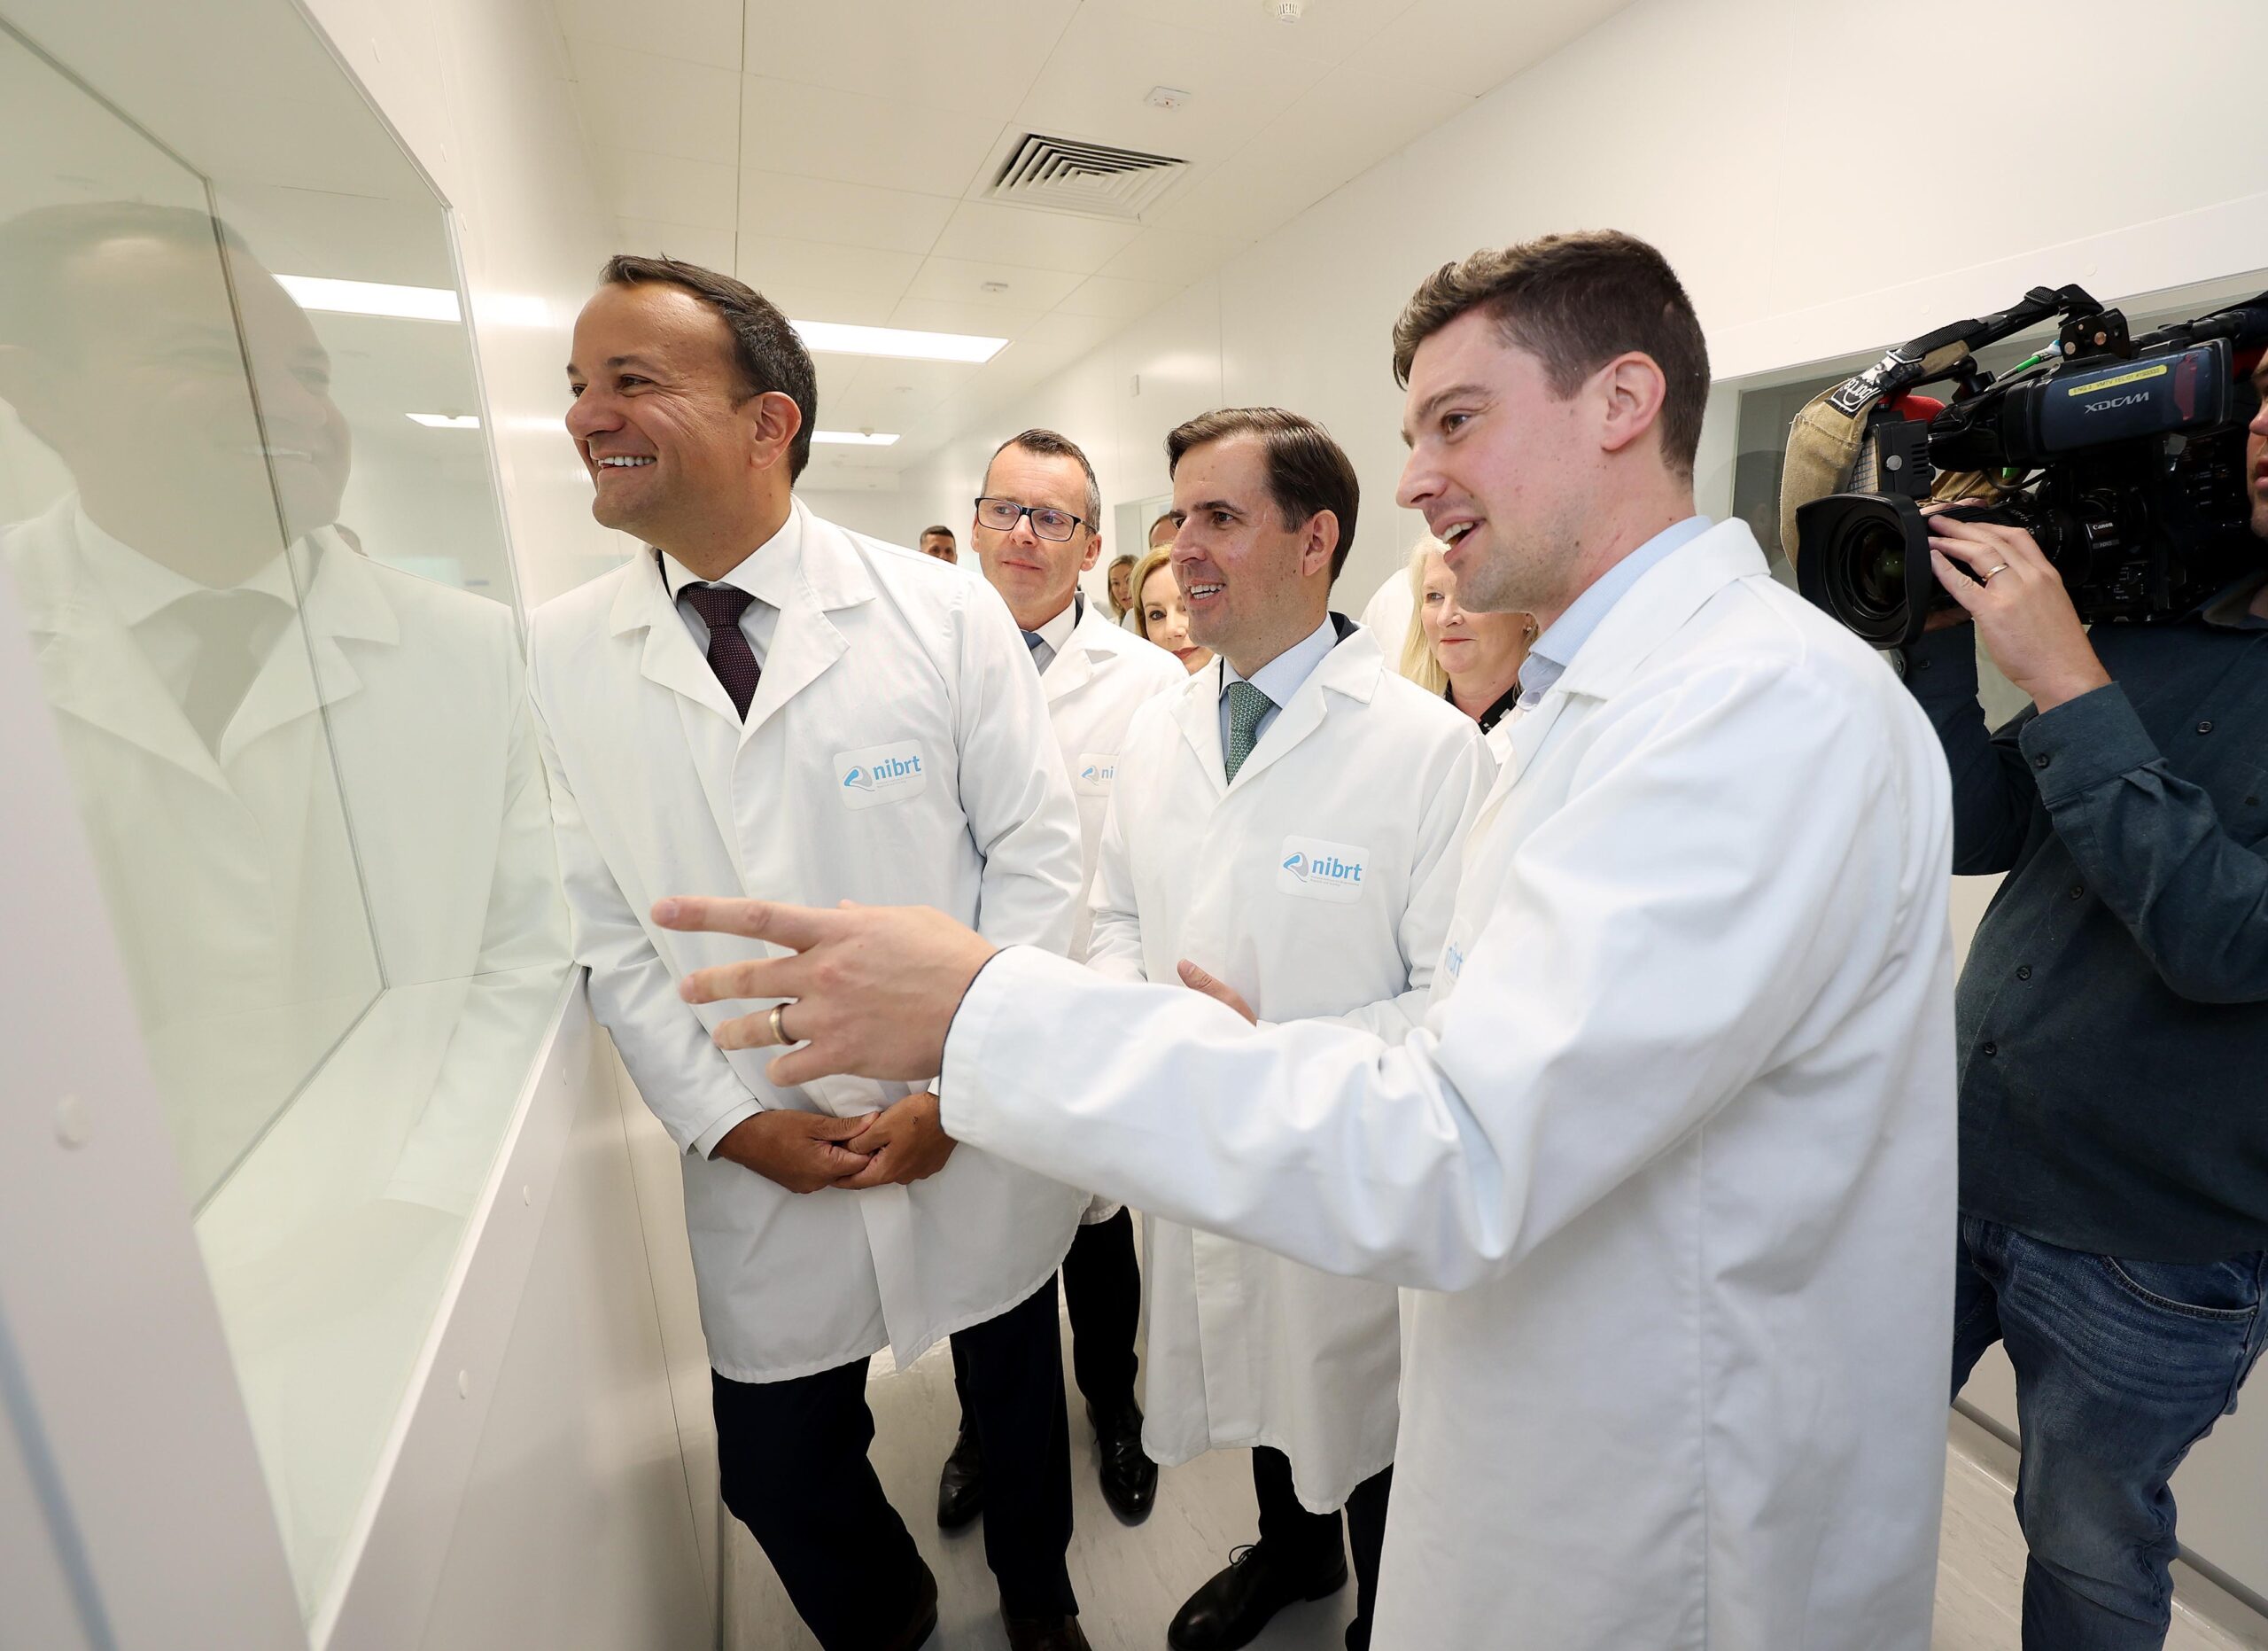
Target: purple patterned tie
720	607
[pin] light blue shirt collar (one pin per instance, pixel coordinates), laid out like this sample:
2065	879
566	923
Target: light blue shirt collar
1280	678
1551	653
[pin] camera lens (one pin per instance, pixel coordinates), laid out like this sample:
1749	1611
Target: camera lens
1877	561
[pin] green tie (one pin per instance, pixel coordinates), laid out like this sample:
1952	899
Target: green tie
1246	705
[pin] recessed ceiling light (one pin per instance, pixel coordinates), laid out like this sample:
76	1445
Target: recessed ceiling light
372	298
838	338
852	438
446	421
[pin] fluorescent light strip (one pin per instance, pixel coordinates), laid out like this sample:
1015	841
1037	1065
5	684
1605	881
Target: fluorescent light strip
446	421
853	437
838	338
372	298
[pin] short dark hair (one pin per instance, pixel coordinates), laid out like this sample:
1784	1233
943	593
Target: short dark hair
1308	472
36	248
1054	444
1576	302
937	531
770	355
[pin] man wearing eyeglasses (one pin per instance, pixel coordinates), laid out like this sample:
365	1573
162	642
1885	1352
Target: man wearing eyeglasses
1035	530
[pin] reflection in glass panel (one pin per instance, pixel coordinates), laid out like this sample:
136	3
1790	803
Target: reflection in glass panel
274	627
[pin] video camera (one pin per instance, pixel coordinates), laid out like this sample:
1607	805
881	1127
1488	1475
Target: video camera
2123	457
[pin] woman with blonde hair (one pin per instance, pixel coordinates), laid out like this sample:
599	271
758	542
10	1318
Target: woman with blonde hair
1470	659
1159	615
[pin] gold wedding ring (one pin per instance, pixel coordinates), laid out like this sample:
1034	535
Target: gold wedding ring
1988	577
779	1033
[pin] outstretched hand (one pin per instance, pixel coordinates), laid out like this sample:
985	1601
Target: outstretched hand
867	990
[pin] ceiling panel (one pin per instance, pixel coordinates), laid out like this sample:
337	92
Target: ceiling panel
849	215
964	55
698	31
813	300
1330	30
961	281
990	321
1177	257
667	189
765	261
655	105
712	249
1117	300
1357	114
852	139
1032	239
1473	46
1095	83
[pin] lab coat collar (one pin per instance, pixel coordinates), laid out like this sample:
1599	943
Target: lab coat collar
1648	614
821	573
1092	639
1352	670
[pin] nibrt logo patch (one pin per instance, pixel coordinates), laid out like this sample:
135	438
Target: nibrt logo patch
1318	870
882	774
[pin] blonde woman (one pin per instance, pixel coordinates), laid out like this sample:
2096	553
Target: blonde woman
1158	613
1470	659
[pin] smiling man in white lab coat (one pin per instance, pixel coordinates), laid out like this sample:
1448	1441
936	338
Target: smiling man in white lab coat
1036	527
1289	819
1671	1162
864	725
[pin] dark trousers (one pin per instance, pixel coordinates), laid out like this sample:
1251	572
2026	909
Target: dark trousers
2121	1366
1309	1543
1102	1290
793	1461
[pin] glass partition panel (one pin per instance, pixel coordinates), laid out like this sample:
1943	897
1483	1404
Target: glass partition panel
246	497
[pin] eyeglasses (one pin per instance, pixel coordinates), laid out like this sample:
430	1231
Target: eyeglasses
1002	515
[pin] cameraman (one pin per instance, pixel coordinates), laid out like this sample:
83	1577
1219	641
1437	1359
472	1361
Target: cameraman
2113	1046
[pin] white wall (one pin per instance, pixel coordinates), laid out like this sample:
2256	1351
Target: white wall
886	513
1736	135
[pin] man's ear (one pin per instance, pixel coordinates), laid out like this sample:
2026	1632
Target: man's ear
1094	552
1320	543
773	421
1631	389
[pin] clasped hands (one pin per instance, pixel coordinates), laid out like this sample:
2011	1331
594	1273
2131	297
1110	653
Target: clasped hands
806	1152
867	990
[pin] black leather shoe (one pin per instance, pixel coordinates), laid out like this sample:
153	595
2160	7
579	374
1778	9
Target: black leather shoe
1130	1478
960	1487
1232	1609
1045	1634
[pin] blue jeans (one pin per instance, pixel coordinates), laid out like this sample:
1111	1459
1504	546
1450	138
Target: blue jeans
2121	1366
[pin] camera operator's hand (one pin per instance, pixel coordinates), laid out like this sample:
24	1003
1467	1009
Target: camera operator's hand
2007	584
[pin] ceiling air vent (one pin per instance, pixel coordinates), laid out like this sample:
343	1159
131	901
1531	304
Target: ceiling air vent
1064	174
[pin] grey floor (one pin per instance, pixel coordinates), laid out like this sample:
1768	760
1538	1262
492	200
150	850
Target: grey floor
1131	1580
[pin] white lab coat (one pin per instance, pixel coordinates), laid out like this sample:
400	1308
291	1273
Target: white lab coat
1675	1148
883	659
1094	685
1363	768
376	798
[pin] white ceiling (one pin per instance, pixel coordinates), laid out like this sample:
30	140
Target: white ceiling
834	156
